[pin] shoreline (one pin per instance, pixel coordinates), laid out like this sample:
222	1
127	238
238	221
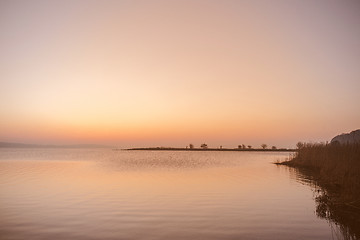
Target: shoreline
334	171
208	149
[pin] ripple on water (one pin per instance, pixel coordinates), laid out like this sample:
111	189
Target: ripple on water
104	194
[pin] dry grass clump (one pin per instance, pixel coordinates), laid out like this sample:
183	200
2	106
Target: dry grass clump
335	169
337	166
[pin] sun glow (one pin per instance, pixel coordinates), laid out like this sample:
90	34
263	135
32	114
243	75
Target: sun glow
173	72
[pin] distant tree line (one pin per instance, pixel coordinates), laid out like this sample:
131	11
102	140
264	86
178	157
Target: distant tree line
241	146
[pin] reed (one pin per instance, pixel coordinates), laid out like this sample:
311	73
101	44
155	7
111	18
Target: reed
336	167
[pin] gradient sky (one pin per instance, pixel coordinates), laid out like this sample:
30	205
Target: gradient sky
170	73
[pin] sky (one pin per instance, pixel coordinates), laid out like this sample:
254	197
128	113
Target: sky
171	73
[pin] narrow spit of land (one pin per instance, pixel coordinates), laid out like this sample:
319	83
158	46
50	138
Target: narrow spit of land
210	149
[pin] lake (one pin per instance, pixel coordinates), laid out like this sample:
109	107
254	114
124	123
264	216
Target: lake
105	194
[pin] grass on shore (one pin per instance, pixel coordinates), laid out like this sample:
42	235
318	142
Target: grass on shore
336	170
336	166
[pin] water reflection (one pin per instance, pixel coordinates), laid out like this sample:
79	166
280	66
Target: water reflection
343	219
102	194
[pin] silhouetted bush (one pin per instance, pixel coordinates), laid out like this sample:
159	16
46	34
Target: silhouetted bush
335	168
337	165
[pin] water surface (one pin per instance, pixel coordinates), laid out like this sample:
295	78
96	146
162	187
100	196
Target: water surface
105	194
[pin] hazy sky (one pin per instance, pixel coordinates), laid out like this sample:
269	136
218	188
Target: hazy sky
170	73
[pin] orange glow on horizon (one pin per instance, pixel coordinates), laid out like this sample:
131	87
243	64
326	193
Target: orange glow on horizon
170	73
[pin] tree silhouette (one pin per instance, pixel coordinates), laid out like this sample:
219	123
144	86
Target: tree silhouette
249	146
264	146
204	146
300	145
273	147
191	146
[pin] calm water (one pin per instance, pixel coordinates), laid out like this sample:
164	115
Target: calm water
105	194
